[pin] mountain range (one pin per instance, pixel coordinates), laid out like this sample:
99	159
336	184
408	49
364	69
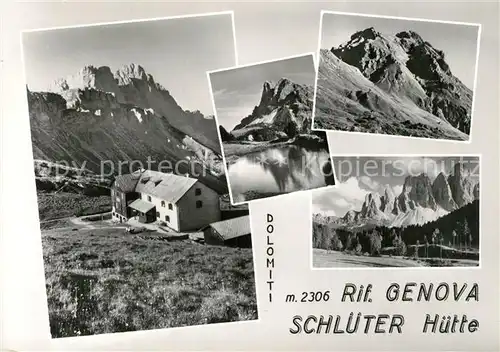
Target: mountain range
95	118
420	201
284	110
386	84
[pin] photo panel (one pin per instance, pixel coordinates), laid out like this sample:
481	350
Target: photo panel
264	115
399	211
396	76
137	229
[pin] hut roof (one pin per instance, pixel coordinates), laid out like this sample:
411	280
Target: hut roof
232	228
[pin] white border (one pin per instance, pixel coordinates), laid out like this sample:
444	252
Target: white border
207	14
340	156
474	89
220	138
252	235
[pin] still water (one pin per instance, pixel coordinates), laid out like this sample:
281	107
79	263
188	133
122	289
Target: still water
277	171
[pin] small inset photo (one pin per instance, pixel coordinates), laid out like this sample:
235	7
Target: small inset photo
398	211
396	76
264	115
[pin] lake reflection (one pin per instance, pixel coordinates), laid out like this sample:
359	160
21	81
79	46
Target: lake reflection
278	171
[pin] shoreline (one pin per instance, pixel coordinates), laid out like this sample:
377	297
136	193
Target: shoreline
234	150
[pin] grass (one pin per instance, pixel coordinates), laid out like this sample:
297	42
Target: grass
103	281
345	259
65	204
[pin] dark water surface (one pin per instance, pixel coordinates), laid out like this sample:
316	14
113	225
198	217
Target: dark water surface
277	171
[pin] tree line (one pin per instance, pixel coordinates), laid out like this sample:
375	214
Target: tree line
458	230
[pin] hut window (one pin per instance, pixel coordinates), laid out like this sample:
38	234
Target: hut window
197	191
167	218
199	203
149	198
170	206
157	214
163	203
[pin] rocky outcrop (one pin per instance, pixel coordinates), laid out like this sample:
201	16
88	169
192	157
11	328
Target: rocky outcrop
371	206
442	193
284	107
476	191
417	191
350	217
387	201
225	135
461	185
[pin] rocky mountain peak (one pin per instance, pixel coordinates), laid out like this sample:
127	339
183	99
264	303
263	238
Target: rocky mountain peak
410	35
442	193
88	77
417	190
127	73
284	109
350	216
282	92
410	40
367	33
387	200
461	185
371	206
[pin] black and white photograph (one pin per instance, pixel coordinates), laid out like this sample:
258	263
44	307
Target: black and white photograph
137	227
264	115
396	76
398	211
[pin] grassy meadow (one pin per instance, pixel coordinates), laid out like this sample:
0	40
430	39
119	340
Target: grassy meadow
104	280
66	204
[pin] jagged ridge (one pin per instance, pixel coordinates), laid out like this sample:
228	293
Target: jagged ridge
420	201
284	110
132	85
96	119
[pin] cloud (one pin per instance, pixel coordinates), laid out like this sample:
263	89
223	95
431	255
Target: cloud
397	190
341	202
368	182
346	196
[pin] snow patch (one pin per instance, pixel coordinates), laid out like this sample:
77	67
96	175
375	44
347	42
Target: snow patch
267	119
137	114
418	216
97	112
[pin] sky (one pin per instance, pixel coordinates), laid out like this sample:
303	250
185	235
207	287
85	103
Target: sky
459	42
176	52
237	91
359	176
